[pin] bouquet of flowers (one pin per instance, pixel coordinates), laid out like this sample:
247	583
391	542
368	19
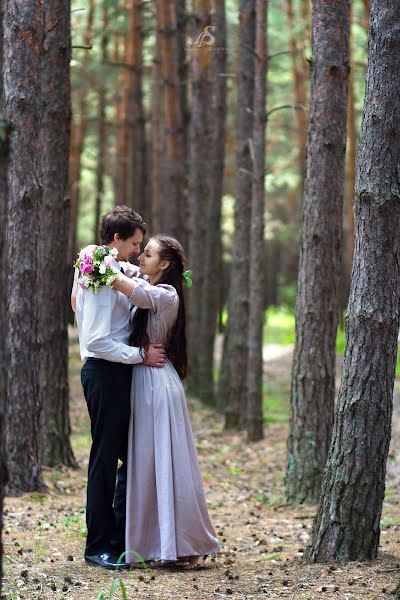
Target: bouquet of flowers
96	268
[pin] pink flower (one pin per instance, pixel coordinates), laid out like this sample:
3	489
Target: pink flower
82	283
108	260
86	268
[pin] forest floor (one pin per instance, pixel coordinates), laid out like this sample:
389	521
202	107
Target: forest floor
262	538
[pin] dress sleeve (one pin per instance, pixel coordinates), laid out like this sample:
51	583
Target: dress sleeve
130	270
158	298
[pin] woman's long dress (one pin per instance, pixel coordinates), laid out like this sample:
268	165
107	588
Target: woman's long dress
166	512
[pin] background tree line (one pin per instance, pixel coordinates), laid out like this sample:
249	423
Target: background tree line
188	113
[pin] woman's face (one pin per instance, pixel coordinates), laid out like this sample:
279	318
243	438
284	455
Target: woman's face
150	262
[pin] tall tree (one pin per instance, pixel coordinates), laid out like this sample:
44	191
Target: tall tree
79	128
256	255
101	123
347	524
156	143
134	115
210	301
24	34
54	262
3	293
199	177
317	305
236	346
173	182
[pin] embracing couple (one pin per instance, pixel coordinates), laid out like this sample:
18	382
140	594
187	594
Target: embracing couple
132	341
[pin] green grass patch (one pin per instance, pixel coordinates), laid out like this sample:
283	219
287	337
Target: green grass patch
275	404
279	326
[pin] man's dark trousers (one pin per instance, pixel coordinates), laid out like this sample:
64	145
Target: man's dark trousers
106	386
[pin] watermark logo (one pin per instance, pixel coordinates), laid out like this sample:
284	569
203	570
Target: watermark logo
205	38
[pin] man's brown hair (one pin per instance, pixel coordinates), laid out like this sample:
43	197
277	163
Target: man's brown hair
122	220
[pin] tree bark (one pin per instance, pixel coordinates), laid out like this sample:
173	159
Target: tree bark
347	524
256	256
173	168
213	269
102	129
135	121
157	129
317	304
54	263
4	149
236	345
78	134
24	35
199	182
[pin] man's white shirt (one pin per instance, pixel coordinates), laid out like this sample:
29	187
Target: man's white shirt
103	326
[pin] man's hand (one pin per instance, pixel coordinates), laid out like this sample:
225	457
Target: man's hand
156	356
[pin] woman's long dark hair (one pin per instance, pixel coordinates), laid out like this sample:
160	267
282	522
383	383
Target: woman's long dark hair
169	249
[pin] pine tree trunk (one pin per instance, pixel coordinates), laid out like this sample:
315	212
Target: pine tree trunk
4	148
54	263
317	304
102	129
347	523
78	135
136	193
199	183
24	34
121	177
299	80
257	266
173	166
210	301
236	345
156	140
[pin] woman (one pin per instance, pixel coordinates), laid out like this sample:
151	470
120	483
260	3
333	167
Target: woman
166	514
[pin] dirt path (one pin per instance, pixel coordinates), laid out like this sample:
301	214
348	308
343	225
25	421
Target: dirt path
262	538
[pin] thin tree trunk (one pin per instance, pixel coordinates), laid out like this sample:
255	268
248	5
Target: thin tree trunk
299	80
257	266
210	301
122	141
135	113
317	304
172	169
23	36
156	139
351	162
54	264
347	524
199	182
102	130
236	345
4	149
78	134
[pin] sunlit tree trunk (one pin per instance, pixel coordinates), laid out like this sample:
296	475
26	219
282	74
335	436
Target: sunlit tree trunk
347	523
256	255
24	34
317	303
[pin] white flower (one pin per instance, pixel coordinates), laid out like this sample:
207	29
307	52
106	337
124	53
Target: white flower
102	268
108	260
114	252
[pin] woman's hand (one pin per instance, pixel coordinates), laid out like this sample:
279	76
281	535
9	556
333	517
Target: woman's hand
88	250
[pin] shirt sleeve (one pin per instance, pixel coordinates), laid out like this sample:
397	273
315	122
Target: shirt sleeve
96	329
158	298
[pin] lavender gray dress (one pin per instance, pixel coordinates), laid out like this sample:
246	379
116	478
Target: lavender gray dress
166	512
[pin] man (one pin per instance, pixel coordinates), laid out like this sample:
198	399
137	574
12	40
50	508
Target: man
104	330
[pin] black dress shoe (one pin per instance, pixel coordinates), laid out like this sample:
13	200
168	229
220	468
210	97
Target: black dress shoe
106	560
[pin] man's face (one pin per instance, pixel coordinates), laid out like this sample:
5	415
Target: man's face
130	246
